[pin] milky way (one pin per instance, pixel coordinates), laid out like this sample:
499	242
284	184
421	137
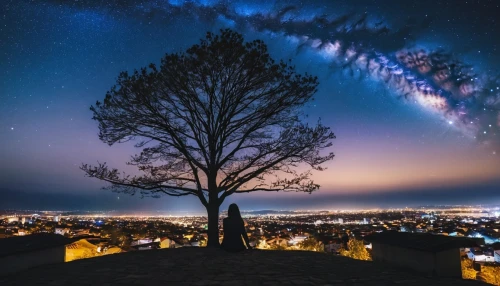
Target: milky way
434	79
359	45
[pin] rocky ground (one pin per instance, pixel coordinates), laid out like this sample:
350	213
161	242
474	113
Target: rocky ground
201	266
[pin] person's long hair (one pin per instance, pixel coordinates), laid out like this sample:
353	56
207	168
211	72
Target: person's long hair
233	212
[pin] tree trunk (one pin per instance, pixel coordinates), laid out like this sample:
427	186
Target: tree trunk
213	224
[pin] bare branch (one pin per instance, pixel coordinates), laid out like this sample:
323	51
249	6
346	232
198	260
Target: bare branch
173	186
219	119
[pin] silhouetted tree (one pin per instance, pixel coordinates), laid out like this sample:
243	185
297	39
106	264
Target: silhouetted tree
221	118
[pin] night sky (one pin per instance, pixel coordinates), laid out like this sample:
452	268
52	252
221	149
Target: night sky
410	88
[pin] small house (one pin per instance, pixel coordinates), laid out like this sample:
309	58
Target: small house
479	255
61	230
433	255
333	246
23	252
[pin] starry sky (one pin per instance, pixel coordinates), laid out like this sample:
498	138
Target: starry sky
410	88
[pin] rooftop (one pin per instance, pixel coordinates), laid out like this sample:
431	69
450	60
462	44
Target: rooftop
424	241
203	266
18	244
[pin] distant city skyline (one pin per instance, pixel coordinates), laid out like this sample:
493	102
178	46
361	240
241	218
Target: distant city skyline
106	201
420	139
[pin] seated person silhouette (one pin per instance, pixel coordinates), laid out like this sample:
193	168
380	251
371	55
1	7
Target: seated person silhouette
234	228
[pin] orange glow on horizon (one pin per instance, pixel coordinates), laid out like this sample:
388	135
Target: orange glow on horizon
388	167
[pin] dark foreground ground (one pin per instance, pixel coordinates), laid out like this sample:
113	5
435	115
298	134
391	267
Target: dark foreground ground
201	266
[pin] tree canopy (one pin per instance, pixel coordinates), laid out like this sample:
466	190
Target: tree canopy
356	250
219	119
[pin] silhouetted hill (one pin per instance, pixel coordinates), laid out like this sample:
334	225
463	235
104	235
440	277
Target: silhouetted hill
201	266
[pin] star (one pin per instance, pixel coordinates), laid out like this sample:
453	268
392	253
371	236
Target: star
361	67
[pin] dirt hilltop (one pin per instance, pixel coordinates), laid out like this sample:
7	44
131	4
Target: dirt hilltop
202	266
